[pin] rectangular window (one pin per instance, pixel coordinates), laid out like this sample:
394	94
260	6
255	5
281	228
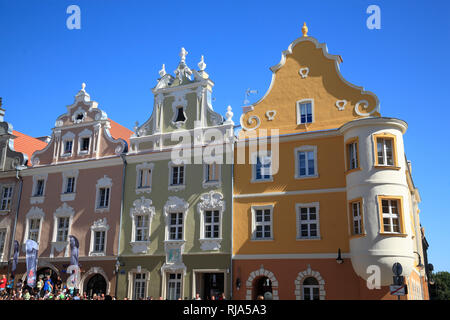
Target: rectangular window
140	284
174	286
63	229
103	201
176	226
6	198
305	109
352	155
212	172
68	147
33	229
99	241
39	189
355	209
142	225
84	144
391	215
2	241
144	178
306	164
385	151
308	222
70	185
212	224
263	224
177	175
263	169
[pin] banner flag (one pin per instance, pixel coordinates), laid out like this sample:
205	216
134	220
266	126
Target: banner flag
31	257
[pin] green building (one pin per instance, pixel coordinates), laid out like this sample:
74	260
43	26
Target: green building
175	239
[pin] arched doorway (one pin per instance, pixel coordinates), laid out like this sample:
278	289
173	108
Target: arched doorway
96	285
263	287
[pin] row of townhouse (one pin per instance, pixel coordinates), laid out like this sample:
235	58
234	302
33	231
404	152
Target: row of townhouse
311	198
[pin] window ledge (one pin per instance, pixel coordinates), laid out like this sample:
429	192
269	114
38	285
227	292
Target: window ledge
209	184
261	180
392	234
353	170
357	236
308	239
262	240
68	196
307	177
140	190
101	210
177	187
209	244
37	199
83	153
66	155
97	254
386	167
4	212
139	246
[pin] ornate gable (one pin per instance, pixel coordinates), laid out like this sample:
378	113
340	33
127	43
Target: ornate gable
308	77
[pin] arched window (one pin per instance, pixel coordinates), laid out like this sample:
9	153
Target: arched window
311	289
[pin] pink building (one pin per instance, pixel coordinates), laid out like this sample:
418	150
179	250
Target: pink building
74	188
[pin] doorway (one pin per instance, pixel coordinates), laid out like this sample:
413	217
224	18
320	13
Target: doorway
96	285
263	287
208	284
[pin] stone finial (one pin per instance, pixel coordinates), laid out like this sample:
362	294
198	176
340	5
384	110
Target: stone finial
2	111
82	95
162	72
183	54
305	30
229	115
202	64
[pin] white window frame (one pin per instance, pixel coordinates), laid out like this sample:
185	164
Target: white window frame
177	187
211	201
358	218
63	211
354	147
299	115
254	161
68	137
33	213
391	216
212	183
263	223
98	225
175	281
175	205
298	206
311	289
3	239
144	167
104	182
69	196
131	282
83	135
141	207
38	198
8	199
384	152
308	148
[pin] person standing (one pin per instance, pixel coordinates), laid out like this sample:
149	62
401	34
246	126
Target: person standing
48	285
3	284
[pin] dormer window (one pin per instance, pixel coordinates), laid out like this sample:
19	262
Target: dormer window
305	109
79	117
84	144
68	147
180	115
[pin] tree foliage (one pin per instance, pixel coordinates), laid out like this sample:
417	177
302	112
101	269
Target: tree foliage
441	288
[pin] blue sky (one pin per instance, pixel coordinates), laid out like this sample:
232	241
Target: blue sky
122	44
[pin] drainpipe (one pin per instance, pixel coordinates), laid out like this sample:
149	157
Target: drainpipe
120	221
19	196
232	212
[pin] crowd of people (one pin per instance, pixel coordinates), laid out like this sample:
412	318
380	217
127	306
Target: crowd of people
46	289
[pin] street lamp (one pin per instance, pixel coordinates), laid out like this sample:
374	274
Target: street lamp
420	265
339	259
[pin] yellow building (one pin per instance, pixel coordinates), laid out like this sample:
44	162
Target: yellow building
327	208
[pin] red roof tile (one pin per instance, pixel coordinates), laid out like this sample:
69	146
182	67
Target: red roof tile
118	131
26	144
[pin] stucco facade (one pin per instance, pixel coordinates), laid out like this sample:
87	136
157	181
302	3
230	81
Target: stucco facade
74	188
176	222
337	200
